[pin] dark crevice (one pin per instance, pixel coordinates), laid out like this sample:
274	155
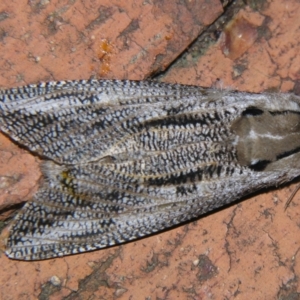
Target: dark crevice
206	38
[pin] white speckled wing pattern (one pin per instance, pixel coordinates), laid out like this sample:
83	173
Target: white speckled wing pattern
124	159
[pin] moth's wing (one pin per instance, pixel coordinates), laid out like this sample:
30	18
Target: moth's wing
80	121
87	207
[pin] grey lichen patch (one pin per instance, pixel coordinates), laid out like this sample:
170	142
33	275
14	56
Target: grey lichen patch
151	264
47	290
97	279
3	15
207	269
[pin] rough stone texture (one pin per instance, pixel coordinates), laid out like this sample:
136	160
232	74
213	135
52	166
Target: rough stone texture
44	40
19	173
247	251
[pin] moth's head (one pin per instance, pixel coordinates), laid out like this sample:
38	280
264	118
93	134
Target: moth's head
266	137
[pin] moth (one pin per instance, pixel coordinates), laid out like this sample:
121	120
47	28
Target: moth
125	159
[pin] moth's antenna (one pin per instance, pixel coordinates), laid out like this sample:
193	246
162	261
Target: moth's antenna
292	196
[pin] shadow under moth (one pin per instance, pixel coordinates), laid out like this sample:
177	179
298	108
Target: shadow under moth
124	159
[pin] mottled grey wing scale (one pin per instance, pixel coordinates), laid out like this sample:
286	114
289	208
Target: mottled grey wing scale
126	159
76	122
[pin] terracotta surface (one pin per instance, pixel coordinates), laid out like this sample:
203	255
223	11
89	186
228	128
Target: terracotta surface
247	251
44	40
19	172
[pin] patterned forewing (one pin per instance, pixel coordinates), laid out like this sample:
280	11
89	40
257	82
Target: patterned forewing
77	122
